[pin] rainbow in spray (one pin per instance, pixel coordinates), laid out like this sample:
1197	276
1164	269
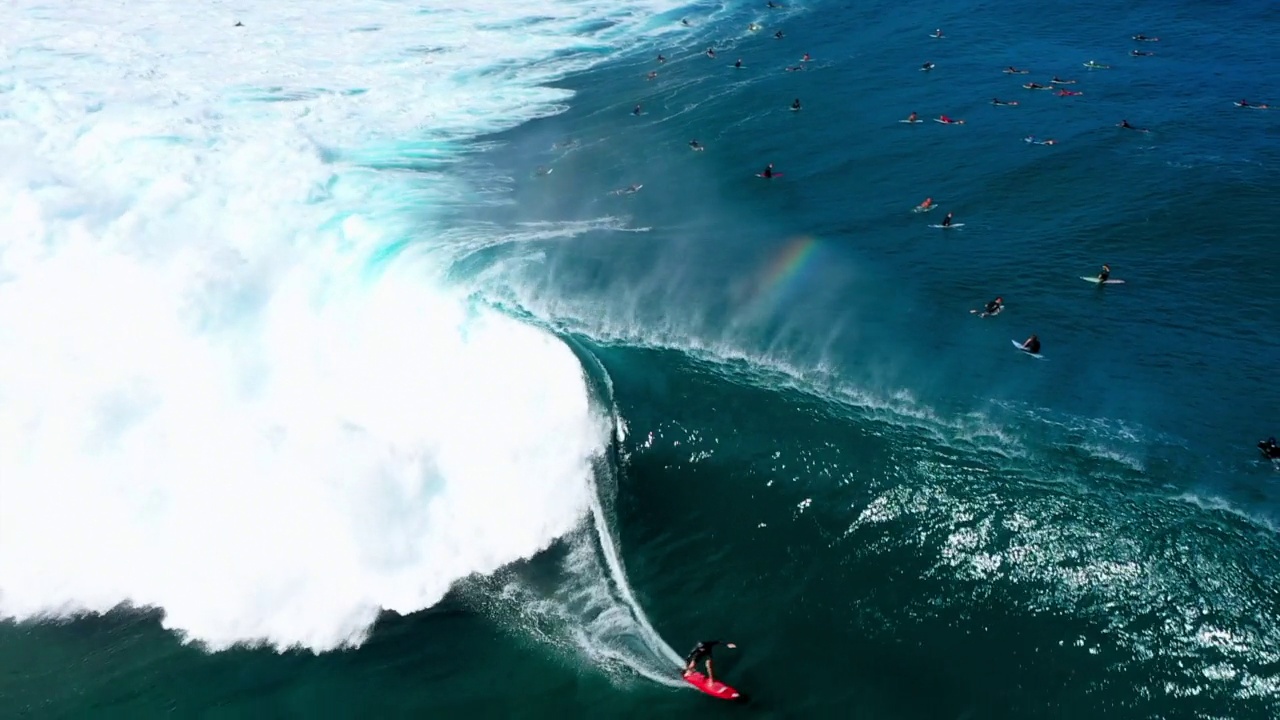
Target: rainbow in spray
785	273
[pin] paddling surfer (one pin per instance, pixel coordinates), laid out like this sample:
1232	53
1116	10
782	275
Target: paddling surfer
702	652
993	308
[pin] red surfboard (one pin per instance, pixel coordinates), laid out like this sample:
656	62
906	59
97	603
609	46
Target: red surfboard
714	688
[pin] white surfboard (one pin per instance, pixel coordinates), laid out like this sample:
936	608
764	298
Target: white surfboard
944	122
1018	345
948	227
911	121
1106	282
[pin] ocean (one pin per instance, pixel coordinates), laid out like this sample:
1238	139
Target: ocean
343	375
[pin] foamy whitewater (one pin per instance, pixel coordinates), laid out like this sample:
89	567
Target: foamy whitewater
215	399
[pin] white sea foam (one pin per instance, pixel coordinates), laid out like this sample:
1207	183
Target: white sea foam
212	400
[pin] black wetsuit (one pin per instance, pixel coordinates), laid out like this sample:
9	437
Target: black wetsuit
1102	276
1033	347
946	221
768	172
993	307
1269	448
701	651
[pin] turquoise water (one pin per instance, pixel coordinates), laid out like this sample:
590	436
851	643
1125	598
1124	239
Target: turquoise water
821	454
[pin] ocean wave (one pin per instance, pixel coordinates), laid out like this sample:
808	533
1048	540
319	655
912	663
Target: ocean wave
218	397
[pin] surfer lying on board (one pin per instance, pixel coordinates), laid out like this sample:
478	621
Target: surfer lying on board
695	145
926	205
1269	448
701	652
993	308
1106	273
1059	81
1032	345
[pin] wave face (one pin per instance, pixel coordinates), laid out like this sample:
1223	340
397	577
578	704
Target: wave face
221	393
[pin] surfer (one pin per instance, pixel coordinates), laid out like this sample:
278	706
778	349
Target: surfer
993	308
684	22
806	58
652	74
949	121
711	53
946	221
239	24
636	111
1059	81
1270	450
1015	71
796	105
1140	53
738	64
998	101
702	652
926	205
913	117
1035	86
778	35
1106	273
1069	93
1245	104
1032	345
695	145
661	58
1144	38
772	5
926	67
768	171
1032	139
937	33
1125	124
